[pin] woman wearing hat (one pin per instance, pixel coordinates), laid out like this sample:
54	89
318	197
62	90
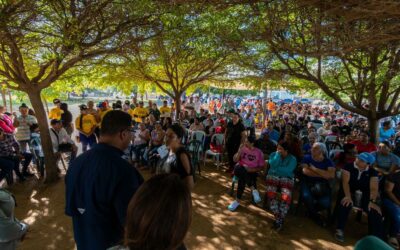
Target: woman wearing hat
360	189
86	125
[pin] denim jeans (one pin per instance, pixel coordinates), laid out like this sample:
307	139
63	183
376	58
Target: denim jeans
393	211
87	141
312	202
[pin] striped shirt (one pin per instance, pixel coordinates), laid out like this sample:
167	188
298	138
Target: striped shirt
23	131
9	146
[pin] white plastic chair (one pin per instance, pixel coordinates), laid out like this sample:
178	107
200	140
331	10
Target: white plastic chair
219	139
199	136
332	138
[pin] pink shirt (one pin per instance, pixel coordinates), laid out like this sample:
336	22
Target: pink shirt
251	158
6	124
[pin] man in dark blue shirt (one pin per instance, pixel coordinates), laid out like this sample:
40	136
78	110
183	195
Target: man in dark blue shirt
100	184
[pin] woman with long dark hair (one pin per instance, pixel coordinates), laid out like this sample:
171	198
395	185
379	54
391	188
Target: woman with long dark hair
159	215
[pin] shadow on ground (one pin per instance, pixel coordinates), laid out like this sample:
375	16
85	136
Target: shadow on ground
213	226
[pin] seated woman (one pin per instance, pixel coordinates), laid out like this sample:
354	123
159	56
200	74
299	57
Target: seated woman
317	170
178	159
156	140
141	142
386	162
250	161
280	179
12	231
391	204
360	188
158	223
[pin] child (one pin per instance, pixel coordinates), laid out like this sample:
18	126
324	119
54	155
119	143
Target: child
37	148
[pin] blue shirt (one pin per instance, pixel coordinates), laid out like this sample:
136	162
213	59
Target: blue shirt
386	161
385	135
323	165
282	167
99	186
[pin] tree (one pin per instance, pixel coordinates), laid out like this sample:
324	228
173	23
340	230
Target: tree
185	53
348	49
40	41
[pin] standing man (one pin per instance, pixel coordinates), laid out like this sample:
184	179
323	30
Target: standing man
86	125
100	184
139	113
235	135
56	112
23	123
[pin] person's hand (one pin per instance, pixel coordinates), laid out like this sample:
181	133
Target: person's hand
347	201
307	171
374	207
15	114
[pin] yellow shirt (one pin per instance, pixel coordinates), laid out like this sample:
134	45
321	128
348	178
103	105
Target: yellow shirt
139	113
88	122
130	112
102	114
165	111
55	113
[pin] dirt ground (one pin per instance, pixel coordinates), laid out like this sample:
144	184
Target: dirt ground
213	226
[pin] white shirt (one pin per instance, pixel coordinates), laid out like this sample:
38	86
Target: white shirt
63	137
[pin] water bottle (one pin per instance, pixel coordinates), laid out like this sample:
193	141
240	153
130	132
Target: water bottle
357	198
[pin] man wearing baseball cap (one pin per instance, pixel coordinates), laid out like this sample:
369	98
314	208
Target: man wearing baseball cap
359	188
56	112
86	124
139	113
23	123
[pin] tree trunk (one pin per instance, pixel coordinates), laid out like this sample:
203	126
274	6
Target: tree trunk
177	99
50	159
373	125
3	95
45	103
10	101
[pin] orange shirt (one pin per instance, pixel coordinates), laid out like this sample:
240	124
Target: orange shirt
271	106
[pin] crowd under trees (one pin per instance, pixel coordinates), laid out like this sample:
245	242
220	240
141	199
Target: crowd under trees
348	49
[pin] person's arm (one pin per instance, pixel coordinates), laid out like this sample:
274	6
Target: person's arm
186	165
243	136
16	122
389	192
77	126
326	174
347	200
236	157
374	187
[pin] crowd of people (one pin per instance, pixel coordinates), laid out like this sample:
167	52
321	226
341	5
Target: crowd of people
325	154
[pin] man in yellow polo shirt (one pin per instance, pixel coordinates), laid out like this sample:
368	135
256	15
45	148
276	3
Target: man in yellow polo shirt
56	112
165	110
86	125
139	113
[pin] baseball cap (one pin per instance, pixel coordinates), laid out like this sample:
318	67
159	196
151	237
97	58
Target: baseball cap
83	107
367	158
55	121
23	105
